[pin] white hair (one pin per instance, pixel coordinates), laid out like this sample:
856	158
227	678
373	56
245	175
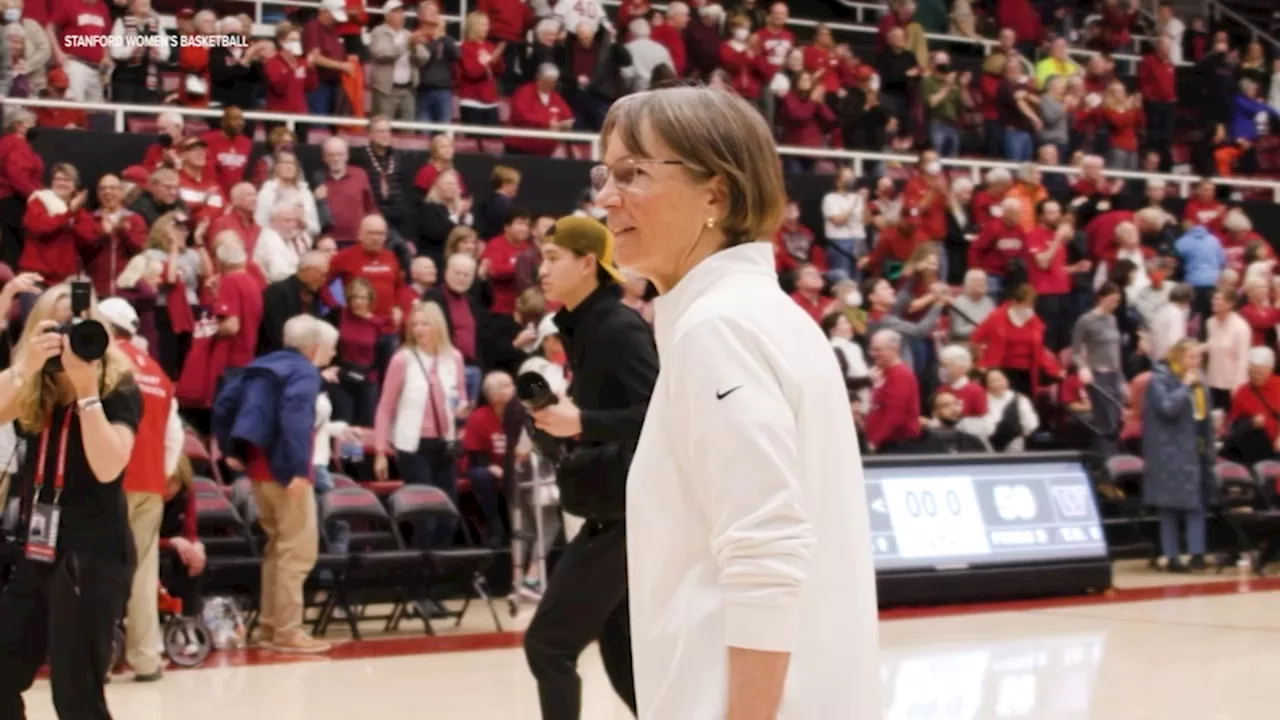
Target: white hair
1237	221
1011	205
1092	160
336	142
229	25
958	354
170	117
639	28
548	70
305	332
548	24
999	175
973	274
460	258
961	185
1126	230
232	253
893	337
1262	355
313	259
677	8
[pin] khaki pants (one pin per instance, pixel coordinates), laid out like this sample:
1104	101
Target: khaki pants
293	543
395	105
142	632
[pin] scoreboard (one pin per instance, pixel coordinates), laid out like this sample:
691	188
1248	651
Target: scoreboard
974	512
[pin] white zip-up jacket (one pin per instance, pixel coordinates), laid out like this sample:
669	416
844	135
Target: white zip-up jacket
747	519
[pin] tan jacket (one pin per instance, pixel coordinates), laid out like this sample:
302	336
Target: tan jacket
384	52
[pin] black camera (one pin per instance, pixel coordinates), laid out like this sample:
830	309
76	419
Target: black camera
943	69
89	339
535	394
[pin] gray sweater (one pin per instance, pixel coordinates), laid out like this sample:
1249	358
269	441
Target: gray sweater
977	311
1054	116
907	329
1095	342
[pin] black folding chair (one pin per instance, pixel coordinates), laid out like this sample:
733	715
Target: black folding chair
234	562
460	566
1238	497
377	563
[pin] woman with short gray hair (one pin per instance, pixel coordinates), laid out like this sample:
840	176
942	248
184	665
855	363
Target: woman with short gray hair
745	498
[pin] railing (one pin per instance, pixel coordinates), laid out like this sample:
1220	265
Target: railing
1218	11
858	159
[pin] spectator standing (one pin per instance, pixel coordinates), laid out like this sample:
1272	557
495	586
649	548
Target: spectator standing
1049	274
888	310
1010	415
388	171
443	210
898	70
286	184
236	72
439	160
1253	410
971	307
1055	110
669	33
397	54
1227	342
498	262
743	59
229	147
1158	87
85	59
509	20
646	54
893	417
1000	246
422	398
1011	339
1095	346
490	453
197	182
1203	260
843	212
1057	64
264	420
1019	121
37	49
537	106
240	217
1178	448
326	52
803	120
282	243
1170	27
164	151
591	65
113	235
345	190
945	93
543	49
462	313
238	302
355	397
291	76
135	77
59	117
295	295
161	196
702	42
371	260
21	175
492	215
435	79
193	62
55	224
573	13
1169	324
479	68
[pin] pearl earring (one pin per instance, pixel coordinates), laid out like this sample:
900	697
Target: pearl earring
711	222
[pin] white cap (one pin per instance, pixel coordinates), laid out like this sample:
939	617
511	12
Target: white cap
119	313
337	8
392	5
546	328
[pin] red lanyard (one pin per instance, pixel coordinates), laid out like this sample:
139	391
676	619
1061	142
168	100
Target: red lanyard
59	479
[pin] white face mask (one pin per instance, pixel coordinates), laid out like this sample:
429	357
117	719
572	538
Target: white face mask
933	168
12	15
853	299
293	47
741	34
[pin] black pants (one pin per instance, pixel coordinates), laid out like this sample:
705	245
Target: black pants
12	210
1160	128
431	465
1055	311
180	584
67	612
586	600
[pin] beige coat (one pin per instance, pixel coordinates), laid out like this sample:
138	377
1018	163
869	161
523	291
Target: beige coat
385	52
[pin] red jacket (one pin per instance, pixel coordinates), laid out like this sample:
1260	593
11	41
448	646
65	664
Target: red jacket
105	255
528	111
508	19
288	85
1100	233
1157	80
972	396
894	415
202	195
672	39
816	58
1005	345
997	245
795	246
895	245
62	118
1245	404
502	255
145	472
630	10
803	121
815	309
985	204
1209	214
1124	125
21	169
473	80
1260	319
380	269
933	219
229	156
53	237
245	228
427	175
1022	18
747	69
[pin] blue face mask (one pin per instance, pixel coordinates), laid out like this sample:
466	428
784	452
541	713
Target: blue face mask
12	15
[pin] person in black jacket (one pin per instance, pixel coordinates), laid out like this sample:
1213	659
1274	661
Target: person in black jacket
235	73
614	364
388	170
298	294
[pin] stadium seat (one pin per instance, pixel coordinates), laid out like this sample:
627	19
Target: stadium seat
1268	474
1125	473
205	487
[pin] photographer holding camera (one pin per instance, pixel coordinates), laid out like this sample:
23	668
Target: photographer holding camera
76	402
614	364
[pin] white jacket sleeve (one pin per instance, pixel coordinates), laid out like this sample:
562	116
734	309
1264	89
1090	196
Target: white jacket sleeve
266	201
119	50
311	215
174	440
1027	416
743	448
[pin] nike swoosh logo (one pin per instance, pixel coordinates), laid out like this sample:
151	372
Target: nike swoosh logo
727	393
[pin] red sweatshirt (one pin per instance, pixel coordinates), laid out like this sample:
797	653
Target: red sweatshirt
996	246
895	408
473	80
1208	214
81	19
803	121
380	269
287	85
105	256
895	245
776	45
508	19
245	227
1124	125
1157	80
816	58
1260	319
933	217
21	169
426	179
747	69
529	111
350	201
145	472
814	307
630	10
972	397
1015	347
1100	233
201	193
502	254
51	246
230	157
673	40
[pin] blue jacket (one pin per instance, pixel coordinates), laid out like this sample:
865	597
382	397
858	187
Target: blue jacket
271	405
1244	117
1202	257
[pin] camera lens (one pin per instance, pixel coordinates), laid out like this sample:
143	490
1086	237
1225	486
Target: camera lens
89	340
534	391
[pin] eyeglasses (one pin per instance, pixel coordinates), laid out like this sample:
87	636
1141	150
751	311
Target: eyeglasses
623	172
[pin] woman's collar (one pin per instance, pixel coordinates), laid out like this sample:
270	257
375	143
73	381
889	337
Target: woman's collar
755	258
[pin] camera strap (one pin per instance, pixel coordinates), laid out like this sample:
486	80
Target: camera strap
42	532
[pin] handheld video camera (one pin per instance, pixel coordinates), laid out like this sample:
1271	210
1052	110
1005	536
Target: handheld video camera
535	394
89	339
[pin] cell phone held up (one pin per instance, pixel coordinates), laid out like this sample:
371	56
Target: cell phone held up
88	337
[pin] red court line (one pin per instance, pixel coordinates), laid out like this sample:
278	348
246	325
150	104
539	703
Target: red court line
463	642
